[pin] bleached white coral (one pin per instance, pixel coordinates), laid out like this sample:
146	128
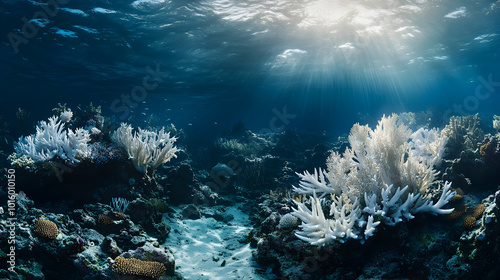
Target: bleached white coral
496	122
95	131
51	139
66	116
146	149
288	221
429	145
382	178
21	161
319	230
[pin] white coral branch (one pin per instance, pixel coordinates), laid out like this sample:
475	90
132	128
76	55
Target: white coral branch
318	230
425	205
385	173
146	149
51	139
370	227
313	183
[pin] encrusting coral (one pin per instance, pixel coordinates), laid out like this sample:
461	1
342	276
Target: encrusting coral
146	149
382	178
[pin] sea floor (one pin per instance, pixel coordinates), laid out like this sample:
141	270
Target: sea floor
206	249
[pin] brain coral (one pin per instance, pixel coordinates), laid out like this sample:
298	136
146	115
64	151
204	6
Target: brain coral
288	221
469	222
46	228
457	212
137	267
478	211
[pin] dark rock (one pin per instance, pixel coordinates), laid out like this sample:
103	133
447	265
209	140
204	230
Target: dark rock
110	247
149	217
180	183
270	223
191	212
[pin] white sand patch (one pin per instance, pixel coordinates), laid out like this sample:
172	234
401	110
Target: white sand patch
201	246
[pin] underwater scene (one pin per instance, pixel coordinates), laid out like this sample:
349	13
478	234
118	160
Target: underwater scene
258	139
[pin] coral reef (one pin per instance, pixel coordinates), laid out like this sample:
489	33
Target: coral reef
478	168
146	149
382	178
51	139
373	181
76	245
464	133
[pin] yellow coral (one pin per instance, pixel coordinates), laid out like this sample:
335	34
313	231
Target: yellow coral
478	211
469	222
458	195
137	267
457	212
46	228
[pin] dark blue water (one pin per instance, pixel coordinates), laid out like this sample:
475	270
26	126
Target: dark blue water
316	66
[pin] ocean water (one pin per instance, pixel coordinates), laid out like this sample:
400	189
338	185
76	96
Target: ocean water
218	62
315	67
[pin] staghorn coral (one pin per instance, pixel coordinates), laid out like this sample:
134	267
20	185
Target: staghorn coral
146	149
51	139
137	267
46	228
382	178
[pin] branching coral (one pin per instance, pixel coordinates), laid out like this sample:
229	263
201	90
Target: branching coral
146	149
51	139
382	178
464	133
